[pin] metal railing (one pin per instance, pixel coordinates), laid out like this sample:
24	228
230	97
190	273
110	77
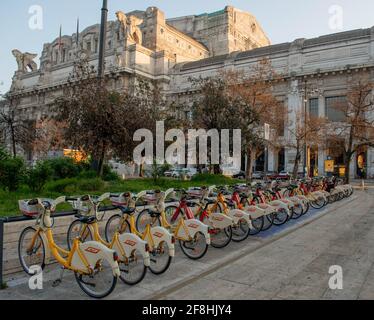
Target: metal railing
5	220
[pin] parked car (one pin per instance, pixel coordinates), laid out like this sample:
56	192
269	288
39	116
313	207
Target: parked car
179	172
240	175
283	175
259	175
168	173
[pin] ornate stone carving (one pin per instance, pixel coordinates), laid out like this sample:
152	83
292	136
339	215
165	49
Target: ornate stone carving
130	27
25	61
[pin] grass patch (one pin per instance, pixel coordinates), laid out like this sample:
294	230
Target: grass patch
95	186
3	286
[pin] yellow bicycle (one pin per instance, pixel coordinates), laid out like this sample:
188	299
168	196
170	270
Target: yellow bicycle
94	265
160	240
132	251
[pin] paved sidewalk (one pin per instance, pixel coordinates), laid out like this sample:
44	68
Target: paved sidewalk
291	262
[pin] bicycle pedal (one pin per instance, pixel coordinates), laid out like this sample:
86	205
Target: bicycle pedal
56	283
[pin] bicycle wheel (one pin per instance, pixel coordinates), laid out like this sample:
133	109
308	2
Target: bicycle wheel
144	219
160	259
116	224
31	255
133	270
268	222
257	226
196	248
219	238
297	211
78	230
331	198
307	207
100	283
318	203
241	231
280	217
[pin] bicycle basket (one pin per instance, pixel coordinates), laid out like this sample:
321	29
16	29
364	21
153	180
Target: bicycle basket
30	210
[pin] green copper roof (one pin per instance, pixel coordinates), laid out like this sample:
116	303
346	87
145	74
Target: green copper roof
216	13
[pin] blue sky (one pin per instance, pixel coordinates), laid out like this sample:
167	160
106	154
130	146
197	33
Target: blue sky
282	20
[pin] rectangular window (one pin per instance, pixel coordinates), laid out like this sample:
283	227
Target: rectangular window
334	107
314	107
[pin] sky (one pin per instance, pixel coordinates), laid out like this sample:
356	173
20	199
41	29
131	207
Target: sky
282	20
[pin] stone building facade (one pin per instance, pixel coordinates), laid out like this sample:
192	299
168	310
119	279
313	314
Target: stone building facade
317	70
171	51
223	31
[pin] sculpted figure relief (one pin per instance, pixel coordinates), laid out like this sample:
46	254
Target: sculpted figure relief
25	60
130	27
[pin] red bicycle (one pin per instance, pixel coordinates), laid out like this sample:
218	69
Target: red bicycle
220	226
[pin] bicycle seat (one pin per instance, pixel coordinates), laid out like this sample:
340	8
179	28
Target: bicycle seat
86	219
127	210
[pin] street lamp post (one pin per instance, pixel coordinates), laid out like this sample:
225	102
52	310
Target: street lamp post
305	130
103	29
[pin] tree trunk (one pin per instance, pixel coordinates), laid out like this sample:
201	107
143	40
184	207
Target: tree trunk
296	164
251	158
347	171
348	156
248	170
102	161
347	165
13	141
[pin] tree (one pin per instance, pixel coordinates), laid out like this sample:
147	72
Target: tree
215	109
357	131
49	135
101	122
309	131
17	130
259	105
233	100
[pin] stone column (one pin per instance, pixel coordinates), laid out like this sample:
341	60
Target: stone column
353	166
295	102
271	160
321	162
370	163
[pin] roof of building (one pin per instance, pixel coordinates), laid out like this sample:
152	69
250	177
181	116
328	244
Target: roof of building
279	48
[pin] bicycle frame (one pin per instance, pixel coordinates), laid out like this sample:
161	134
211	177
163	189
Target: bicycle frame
124	244
186	230
276	204
253	210
236	214
82	258
216	220
154	236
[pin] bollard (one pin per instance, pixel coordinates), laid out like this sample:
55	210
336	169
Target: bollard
1	251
